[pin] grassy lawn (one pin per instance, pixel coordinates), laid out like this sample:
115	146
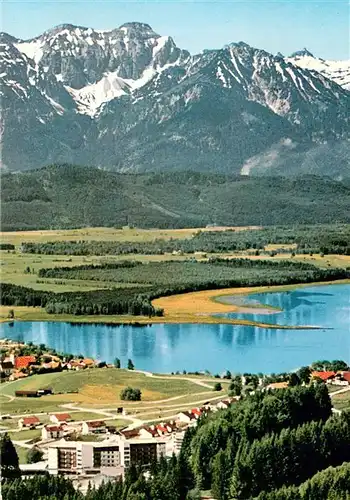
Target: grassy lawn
22	454
82	415
118	422
25	435
93	387
342	401
21	406
14	265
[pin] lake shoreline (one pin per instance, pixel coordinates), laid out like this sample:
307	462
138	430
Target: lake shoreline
190	308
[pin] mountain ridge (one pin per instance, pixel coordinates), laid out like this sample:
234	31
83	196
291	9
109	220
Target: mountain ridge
125	98
71	196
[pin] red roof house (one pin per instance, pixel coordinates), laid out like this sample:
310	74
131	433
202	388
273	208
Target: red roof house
150	431
24	361
346	376
196	412
323	375
28	422
60	417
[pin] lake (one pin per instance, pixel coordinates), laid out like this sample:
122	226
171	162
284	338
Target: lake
165	348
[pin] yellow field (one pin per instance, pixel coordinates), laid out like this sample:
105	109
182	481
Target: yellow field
100	388
107	234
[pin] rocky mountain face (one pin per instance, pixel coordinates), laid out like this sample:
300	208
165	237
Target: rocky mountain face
131	100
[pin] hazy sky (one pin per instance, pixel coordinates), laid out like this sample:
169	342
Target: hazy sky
279	25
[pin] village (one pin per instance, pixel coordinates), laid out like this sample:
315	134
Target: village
92	450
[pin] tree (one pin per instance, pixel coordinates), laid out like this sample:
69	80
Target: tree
117	363
304	374
34	455
130	365
294	379
9	458
228	374
217	387
221	472
130	394
11	314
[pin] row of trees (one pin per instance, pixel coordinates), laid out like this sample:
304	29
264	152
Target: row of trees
106	302
307	239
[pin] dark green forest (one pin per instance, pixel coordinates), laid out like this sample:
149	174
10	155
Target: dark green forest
71	196
325	239
283	445
156	279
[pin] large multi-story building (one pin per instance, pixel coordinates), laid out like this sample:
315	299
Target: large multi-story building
111	456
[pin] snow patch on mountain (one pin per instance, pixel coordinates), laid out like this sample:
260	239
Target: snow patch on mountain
338	71
32	49
89	99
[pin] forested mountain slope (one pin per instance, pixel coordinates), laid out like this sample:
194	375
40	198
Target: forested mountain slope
63	196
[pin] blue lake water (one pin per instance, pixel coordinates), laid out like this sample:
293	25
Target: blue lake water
170	347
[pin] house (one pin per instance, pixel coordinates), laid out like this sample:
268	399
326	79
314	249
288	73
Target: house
52	432
28	422
186	416
225	403
342	378
6	367
346	377
148	432
277	385
75	365
51	365
196	412
45	392
88	362
24	361
59	418
94	427
171	426
162	430
27	394
324	376
130	434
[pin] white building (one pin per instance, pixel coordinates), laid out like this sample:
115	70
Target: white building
93	427
59	418
177	438
52	432
109	457
187	417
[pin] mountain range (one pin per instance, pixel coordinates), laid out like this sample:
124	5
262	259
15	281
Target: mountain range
130	100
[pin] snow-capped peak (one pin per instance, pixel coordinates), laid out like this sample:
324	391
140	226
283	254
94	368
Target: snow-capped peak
338	71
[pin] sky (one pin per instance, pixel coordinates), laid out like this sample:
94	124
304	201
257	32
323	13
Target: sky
276	26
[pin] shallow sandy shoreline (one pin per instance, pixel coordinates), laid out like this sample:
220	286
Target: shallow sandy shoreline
194	307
